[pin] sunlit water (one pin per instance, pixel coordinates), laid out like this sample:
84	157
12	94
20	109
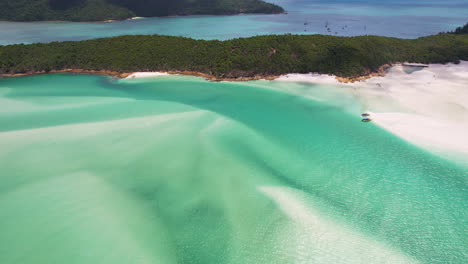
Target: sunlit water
394	18
180	170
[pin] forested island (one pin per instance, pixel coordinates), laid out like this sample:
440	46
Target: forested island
101	10
238	58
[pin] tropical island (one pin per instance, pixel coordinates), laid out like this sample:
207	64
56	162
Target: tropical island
102	10
236	59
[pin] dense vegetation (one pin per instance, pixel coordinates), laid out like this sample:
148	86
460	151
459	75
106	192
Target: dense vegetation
99	10
245	57
190	7
462	30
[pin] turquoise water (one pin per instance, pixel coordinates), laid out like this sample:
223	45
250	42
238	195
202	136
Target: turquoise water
180	170
394	18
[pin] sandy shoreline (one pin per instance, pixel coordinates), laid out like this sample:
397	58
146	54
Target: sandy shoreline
381	72
78	71
146	74
117	20
426	105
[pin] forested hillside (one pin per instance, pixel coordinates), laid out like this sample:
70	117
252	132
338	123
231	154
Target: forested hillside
192	7
246	57
100	10
461	30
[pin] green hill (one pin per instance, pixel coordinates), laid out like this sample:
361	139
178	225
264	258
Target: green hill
245	57
100	10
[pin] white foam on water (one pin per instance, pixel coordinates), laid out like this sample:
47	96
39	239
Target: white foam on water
324	240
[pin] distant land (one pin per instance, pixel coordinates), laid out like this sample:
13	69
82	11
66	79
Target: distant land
244	58
102	10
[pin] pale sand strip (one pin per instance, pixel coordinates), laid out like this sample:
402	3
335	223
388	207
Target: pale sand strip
146	74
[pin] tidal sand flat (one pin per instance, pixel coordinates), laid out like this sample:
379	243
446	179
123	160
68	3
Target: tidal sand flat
175	169
426	105
433	106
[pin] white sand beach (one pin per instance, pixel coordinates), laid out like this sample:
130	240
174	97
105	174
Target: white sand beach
146	74
310	78
427	106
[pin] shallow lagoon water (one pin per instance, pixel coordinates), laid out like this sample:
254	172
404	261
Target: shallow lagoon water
394	18
180	170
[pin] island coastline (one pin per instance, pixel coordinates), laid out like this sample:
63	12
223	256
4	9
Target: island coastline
119	10
443	129
208	77
382	71
351	59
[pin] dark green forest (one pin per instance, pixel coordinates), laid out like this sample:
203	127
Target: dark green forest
100	10
244	57
461	30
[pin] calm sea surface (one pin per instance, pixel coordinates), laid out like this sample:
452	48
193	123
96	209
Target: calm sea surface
395	18
180	170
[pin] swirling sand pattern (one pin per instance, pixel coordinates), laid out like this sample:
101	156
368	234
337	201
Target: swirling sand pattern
180	170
